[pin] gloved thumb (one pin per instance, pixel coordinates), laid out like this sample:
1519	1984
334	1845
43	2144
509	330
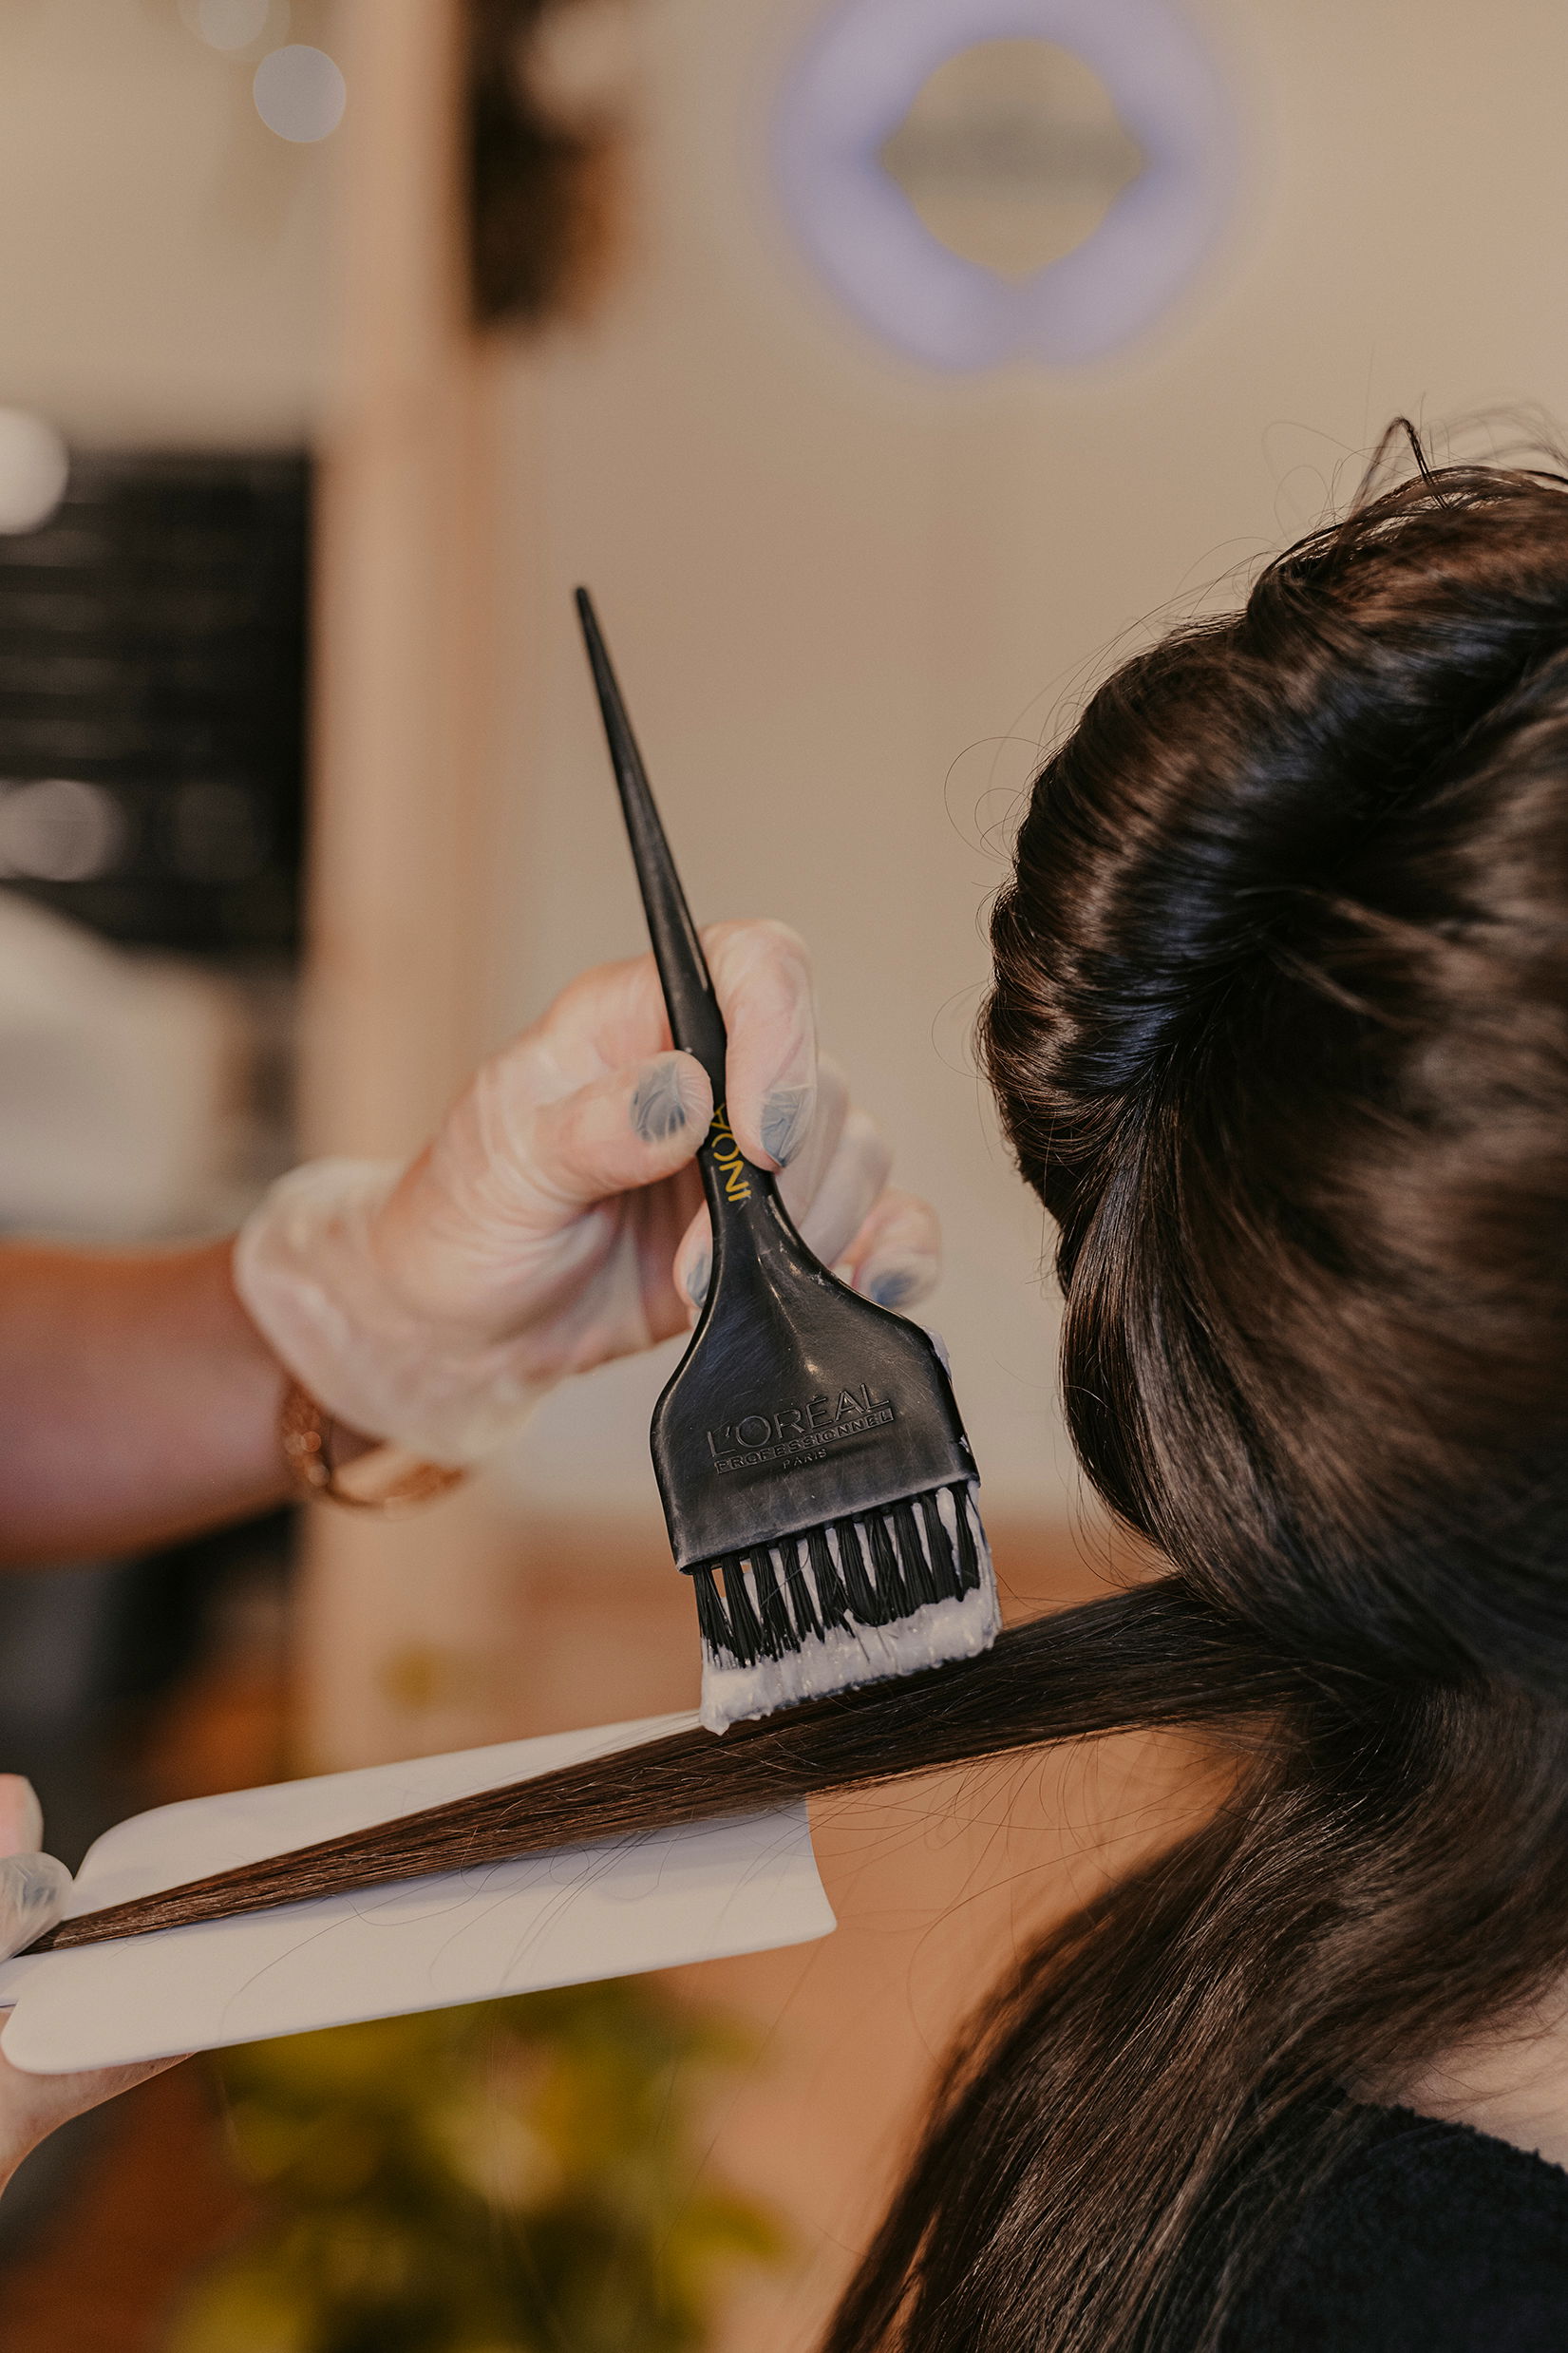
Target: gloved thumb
33	1889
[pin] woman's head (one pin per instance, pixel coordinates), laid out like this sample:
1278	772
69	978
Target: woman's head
1280	1034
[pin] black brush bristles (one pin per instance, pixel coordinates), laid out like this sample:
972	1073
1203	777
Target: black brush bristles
918	1565
817	1482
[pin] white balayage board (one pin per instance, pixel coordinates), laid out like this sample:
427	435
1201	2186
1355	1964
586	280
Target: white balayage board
559	1918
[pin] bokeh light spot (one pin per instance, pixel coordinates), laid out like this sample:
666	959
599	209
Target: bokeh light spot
35	466
60	830
300	92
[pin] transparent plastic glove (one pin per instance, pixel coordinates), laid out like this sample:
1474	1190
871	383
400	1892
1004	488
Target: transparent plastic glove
32	1890
557	1219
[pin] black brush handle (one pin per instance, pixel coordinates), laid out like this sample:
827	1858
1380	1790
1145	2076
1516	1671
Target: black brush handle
695	1021
739	1203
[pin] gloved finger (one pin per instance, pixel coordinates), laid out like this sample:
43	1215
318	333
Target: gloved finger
849	1186
896	1255
762	979
608	1016
33	1889
799	1183
21	1815
807	1173
515	1165
620	1134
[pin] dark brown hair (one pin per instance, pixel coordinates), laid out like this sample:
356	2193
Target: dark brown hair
1280	1035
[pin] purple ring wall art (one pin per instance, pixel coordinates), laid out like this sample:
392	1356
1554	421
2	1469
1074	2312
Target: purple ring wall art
853	84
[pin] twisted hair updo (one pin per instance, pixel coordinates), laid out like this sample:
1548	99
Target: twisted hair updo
1280	1034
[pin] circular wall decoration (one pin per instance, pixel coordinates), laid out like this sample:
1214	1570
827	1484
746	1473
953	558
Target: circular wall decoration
984	179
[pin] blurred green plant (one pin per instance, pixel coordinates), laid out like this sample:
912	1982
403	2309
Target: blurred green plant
522	2177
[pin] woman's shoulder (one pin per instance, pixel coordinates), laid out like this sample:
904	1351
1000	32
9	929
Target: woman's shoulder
1430	2238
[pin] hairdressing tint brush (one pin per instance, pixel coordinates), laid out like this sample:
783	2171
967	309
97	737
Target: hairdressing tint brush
817	1481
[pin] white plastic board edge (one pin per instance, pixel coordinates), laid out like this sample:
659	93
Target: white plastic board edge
568	1917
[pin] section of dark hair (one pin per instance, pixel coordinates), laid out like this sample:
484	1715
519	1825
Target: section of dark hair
1280	1035
1154	1657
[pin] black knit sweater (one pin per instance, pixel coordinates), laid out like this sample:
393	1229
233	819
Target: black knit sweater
1431	2238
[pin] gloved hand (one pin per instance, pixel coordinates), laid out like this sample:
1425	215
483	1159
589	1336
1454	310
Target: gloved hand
556	1220
32	1890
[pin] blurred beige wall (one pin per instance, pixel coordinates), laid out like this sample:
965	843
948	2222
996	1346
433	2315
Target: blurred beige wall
833	581
165	261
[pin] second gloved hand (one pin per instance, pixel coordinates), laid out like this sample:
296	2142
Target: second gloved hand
557	1219
33	1889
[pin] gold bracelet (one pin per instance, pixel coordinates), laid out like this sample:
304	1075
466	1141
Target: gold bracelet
306	1432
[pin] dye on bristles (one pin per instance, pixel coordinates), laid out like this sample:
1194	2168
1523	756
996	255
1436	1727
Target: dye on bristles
816	1478
854	1601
